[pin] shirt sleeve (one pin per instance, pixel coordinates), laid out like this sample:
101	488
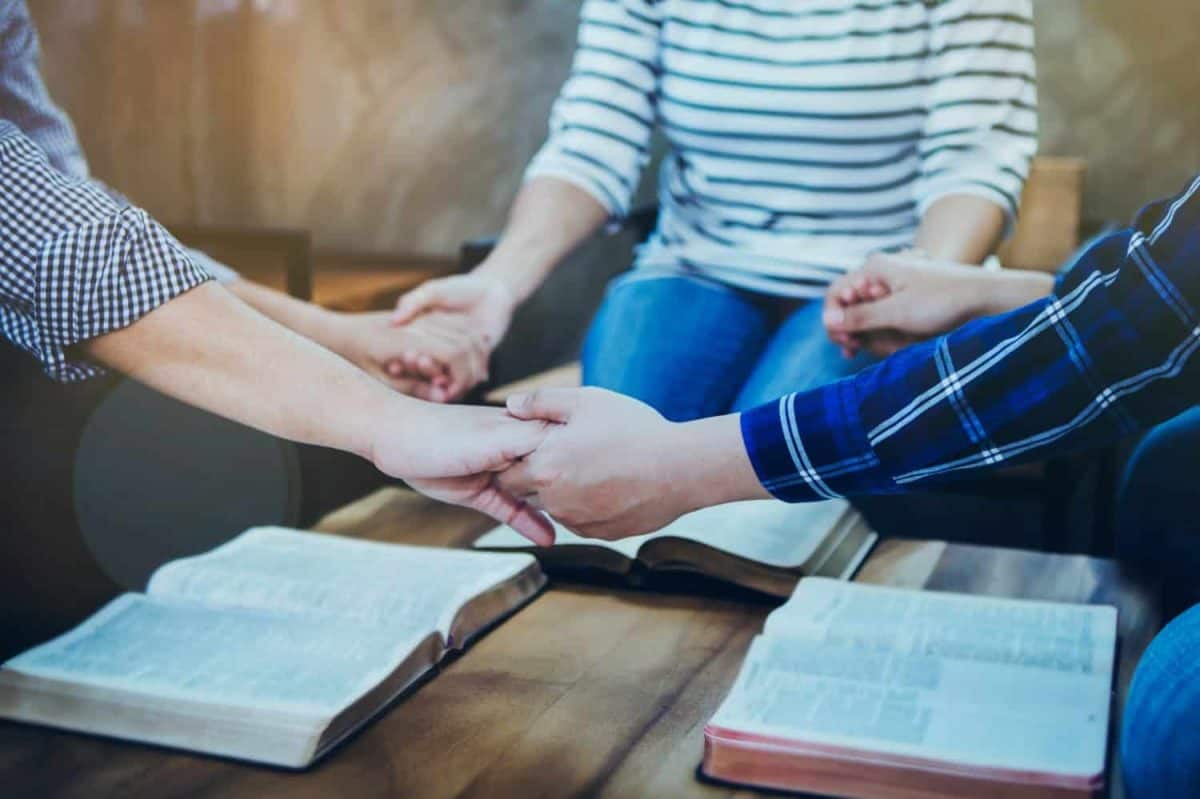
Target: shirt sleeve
1109	353
24	99
74	264
601	123
220	272
981	125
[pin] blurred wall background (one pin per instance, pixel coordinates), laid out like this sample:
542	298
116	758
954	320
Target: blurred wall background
403	125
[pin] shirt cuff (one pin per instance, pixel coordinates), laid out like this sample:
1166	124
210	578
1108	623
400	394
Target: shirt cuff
103	276
812	446
222	273
1001	196
546	165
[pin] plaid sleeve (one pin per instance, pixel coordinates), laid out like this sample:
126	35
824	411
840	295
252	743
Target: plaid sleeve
75	264
1109	353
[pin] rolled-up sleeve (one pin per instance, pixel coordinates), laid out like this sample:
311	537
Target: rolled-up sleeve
601	123
981	126
76	265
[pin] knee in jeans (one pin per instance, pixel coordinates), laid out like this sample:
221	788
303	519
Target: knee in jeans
1160	738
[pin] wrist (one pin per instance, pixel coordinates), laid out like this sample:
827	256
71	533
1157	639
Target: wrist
334	331
384	418
709	463
513	273
1009	289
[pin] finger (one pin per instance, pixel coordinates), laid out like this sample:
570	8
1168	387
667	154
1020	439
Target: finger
876	289
549	404
461	352
416	302
867	317
534	525
446	294
505	508
416	388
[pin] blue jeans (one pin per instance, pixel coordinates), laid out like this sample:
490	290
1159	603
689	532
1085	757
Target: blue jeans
693	348
1157	531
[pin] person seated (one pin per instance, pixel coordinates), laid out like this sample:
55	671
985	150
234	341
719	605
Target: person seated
801	140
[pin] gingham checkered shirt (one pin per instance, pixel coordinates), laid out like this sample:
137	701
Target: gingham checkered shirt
75	263
78	260
1109	353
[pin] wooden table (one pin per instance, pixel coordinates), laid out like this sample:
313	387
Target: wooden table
589	690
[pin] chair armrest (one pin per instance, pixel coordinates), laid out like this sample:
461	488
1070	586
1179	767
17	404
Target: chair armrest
292	247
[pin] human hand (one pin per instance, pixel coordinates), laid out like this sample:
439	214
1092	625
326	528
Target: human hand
480	303
452	453
611	466
434	358
895	300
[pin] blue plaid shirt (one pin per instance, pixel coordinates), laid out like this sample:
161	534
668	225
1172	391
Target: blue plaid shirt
1109	353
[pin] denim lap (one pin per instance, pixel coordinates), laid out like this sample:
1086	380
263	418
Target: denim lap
683	345
693	348
1160	739
798	357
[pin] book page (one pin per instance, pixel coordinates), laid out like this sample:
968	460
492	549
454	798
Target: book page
971	680
763	530
767	531
504	537
327	577
254	660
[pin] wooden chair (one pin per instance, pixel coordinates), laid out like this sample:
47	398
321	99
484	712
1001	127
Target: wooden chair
1045	236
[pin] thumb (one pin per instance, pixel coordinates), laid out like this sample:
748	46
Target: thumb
446	294
865	317
547	404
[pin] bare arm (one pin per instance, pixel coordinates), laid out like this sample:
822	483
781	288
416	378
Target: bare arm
212	351
962	228
194	348
549	219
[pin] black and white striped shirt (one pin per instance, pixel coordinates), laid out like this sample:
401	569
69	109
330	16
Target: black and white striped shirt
803	134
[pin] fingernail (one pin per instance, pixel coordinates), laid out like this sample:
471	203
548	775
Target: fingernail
517	401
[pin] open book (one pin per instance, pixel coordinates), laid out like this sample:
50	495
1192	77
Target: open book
879	693
760	544
273	647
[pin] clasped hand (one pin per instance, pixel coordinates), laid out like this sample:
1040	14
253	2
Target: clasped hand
610	466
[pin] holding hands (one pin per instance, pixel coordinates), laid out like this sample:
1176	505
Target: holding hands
610	466
895	300
437	359
456	322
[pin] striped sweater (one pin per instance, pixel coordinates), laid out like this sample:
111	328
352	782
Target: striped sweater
803	134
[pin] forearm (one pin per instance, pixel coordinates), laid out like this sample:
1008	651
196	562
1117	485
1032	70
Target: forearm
209	350
1008	289
962	228
311	321
709	464
549	218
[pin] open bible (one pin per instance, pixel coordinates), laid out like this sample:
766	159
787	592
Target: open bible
760	544
273	647
879	693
